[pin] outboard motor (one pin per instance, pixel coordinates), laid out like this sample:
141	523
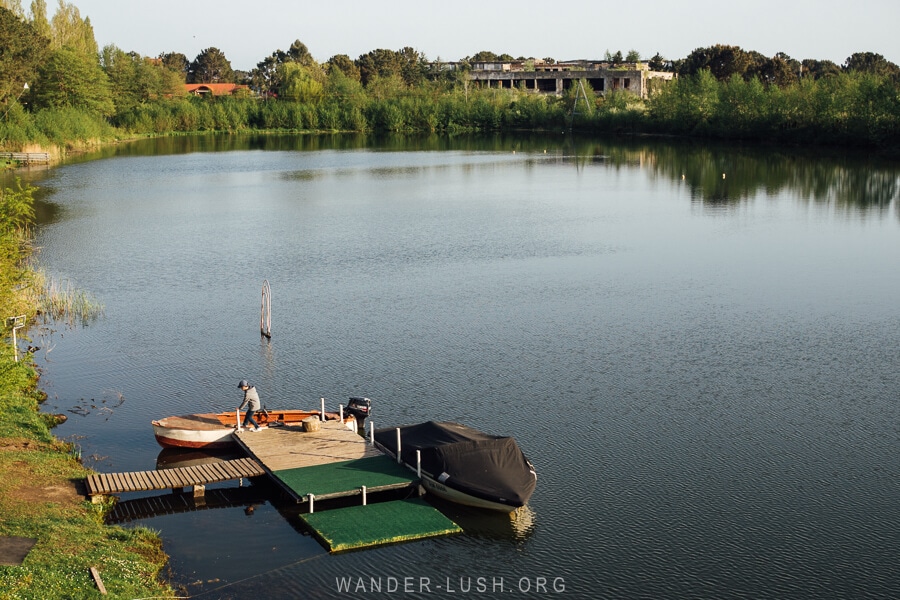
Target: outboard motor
360	408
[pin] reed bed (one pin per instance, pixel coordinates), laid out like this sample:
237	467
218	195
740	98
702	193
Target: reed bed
63	302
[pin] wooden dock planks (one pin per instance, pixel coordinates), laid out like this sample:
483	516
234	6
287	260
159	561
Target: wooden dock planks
294	457
279	448
100	484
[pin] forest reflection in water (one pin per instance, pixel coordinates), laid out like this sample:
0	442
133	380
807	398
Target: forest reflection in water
716	173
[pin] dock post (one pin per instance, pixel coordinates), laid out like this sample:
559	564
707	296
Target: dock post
312	499
323	408
419	464
364	495
341	410
237	417
398	445
265	311
372	432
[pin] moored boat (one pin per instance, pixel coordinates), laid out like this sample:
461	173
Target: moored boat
462	464
216	430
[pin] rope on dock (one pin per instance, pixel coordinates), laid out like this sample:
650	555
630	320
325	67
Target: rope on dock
265	310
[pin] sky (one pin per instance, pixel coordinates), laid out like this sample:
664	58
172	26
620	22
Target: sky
247	32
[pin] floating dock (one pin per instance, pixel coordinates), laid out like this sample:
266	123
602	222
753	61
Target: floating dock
330	462
335	462
361	526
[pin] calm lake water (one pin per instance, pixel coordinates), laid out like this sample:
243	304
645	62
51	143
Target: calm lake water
697	347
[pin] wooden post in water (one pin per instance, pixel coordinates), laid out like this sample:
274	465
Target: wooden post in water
16	323
265	310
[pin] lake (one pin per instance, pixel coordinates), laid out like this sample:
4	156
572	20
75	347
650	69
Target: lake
696	345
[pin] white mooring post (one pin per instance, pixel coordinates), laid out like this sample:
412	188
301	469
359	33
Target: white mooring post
372	432
16	323
323	408
312	499
237	417
419	464
398	445
364	495
341	410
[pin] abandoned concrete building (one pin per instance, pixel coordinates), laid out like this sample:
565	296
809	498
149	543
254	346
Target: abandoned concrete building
555	78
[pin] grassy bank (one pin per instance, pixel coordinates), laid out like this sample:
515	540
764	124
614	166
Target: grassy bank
40	476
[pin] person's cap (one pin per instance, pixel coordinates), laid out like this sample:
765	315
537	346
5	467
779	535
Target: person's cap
243	383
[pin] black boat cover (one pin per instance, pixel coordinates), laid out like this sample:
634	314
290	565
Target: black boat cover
476	463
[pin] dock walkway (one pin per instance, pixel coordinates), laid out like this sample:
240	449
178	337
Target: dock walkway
102	484
329	463
27	157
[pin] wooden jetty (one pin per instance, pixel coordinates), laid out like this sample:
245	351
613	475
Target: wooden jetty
330	461
102	484
27	158
317	462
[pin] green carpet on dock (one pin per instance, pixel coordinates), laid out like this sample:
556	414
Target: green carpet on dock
334	478
376	524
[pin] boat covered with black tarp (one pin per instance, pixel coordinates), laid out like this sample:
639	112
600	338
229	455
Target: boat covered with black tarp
463	464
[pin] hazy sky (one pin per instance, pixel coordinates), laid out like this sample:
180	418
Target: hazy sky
247	32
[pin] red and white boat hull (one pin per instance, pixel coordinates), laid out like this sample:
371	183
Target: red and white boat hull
216	430
168	437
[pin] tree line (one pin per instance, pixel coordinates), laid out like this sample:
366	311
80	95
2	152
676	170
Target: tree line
78	92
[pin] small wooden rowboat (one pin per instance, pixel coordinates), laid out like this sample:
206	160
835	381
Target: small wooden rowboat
215	430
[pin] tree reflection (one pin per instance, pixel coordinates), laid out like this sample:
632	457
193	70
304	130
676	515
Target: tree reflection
722	175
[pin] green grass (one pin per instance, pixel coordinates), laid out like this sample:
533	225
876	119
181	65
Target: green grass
40	497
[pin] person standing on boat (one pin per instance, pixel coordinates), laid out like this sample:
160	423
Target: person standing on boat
251	399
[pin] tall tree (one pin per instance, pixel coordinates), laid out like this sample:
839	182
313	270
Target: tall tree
211	66
344	64
407	63
817	69
135	80
13	6
377	63
69	78
69	30
658	62
300	83
413	66
177	63
266	76
39	19
22	49
869	62
721	60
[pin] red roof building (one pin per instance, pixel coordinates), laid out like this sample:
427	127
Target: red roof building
216	89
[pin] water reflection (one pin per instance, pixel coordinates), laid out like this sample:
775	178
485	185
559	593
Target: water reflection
715	174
